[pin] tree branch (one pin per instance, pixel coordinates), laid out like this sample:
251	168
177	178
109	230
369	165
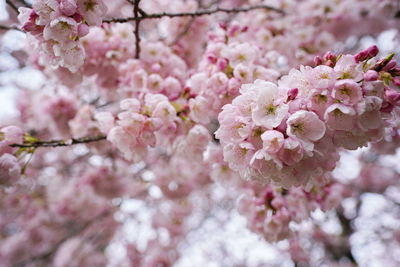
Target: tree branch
60	143
6	28
136	12
199	13
12	5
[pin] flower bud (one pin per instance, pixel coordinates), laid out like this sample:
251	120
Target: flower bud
371	75
83	30
68	7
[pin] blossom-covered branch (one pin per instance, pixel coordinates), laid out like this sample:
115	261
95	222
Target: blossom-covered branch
251	114
140	15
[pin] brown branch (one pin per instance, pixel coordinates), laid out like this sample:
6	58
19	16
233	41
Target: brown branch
136	12
60	143
193	14
12	5
7	28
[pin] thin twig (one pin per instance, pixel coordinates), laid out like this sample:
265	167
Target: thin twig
194	14
12	5
7	28
61	143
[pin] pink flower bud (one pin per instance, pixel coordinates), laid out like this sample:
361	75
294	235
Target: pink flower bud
329	56
363	55
83	30
372	51
392	96
390	65
222	63
292	94
368	53
371	75
68	7
317	61
396	81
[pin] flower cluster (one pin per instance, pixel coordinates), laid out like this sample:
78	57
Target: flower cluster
10	169
57	26
116	150
269	210
290	132
136	128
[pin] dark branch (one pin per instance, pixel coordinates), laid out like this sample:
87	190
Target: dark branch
60	143
193	14
12	5
7	28
136	12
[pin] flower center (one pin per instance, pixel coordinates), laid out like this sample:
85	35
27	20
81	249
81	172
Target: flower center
345	91
270	109
89	5
297	127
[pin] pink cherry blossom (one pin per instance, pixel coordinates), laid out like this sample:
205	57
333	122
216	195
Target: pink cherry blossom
269	109
340	117
347	92
92	11
305	125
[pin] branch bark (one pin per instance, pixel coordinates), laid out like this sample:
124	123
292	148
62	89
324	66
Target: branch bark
7	28
199	13
60	143
12	5
136	12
